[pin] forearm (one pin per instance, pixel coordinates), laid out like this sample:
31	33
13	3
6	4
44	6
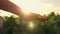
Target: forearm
10	7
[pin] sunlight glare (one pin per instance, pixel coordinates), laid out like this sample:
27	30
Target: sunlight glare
26	12
35	6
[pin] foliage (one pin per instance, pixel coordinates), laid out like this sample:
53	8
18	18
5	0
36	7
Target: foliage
51	25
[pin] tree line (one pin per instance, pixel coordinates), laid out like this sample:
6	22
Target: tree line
50	25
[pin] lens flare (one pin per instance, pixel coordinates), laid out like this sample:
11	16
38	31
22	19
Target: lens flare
31	24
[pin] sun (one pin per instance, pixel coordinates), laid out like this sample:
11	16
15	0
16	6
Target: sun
26	12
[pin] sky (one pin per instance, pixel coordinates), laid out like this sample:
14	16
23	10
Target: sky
4	13
42	7
39	6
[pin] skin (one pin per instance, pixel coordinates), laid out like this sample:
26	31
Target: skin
8	6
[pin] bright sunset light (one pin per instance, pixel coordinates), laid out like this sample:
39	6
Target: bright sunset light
29	16
26	12
42	7
38	6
